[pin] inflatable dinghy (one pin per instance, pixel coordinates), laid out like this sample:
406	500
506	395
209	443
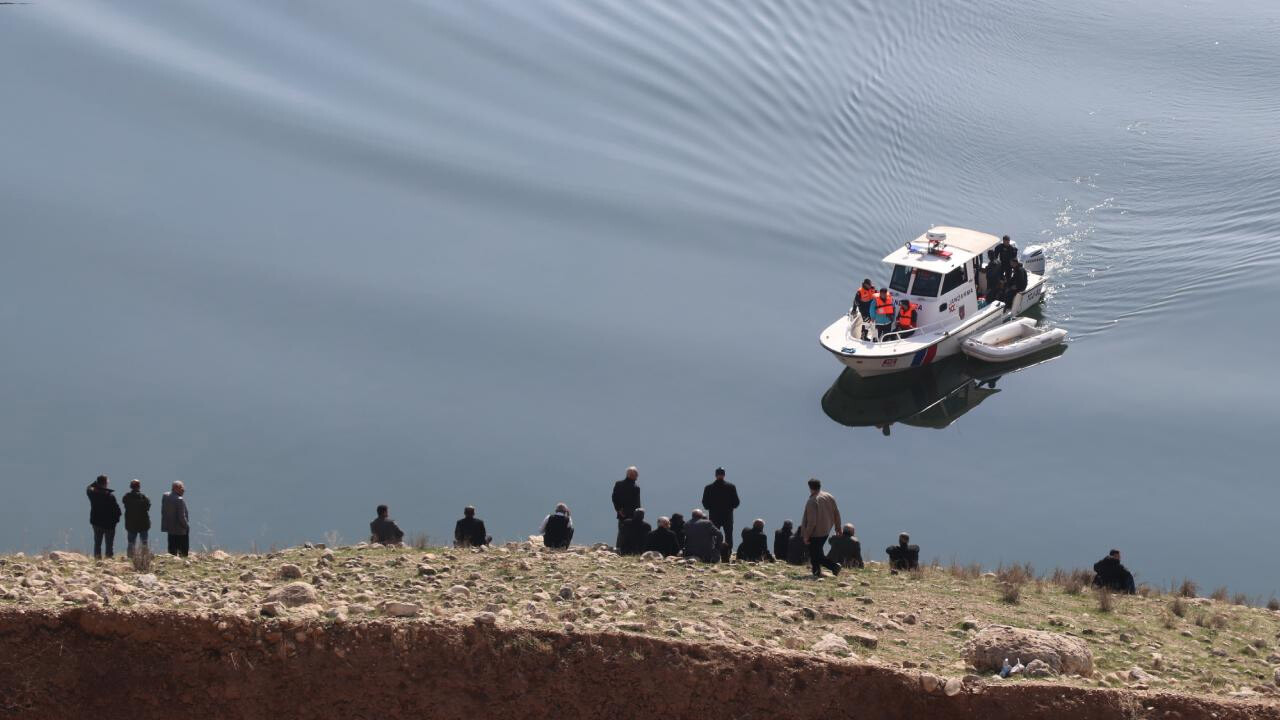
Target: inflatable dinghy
1011	341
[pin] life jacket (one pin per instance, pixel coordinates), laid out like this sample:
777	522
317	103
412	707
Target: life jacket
556	534
866	294
907	316
884	305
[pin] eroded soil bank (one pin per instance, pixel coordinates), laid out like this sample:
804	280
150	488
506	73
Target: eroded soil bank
103	663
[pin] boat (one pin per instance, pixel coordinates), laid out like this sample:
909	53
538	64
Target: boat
1011	341
941	272
934	398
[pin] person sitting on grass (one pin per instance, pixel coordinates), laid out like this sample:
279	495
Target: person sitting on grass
702	539
470	531
557	528
781	538
633	534
383	530
903	556
755	544
677	527
846	549
663	539
1111	574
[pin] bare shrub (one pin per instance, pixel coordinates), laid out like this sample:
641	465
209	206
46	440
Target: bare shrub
142	558
1260	643
1188	588
1219	594
1010	592
1170	622
972	571
1273	604
1178	607
420	541
1147	591
1239	599
1219	621
1202	620
1106	600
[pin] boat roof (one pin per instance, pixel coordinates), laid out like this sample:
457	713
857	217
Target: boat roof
962	244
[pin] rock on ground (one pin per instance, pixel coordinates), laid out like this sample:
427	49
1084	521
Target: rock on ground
290	572
400	609
832	644
293	594
1063	654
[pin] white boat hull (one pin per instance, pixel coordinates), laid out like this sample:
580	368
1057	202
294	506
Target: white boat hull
874	358
1012	341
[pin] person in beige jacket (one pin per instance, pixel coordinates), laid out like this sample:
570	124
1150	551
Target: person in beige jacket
821	514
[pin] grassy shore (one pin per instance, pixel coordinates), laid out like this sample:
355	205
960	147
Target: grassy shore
911	620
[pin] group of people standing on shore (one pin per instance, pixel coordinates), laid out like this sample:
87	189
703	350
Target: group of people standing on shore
105	513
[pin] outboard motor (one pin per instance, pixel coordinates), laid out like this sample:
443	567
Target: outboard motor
1033	259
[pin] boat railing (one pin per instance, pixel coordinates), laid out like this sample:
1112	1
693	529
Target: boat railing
856	321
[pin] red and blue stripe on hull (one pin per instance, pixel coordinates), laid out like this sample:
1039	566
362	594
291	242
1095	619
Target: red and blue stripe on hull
924	357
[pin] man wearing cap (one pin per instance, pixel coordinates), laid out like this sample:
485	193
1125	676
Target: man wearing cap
720	498
863	301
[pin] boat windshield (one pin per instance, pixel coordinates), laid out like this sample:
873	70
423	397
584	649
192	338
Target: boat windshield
927	283
901	278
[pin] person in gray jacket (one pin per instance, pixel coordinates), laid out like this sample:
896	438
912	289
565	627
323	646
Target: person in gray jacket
173	519
702	539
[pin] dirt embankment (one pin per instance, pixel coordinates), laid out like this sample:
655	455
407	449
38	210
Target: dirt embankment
100	663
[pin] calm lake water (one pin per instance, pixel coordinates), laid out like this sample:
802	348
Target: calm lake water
313	256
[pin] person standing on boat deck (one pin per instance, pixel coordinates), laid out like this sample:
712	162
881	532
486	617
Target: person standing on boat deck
820	515
1016	283
907	318
720	498
995	277
884	313
863	301
626	498
1006	253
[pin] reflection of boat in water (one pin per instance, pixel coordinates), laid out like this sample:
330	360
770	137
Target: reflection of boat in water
932	397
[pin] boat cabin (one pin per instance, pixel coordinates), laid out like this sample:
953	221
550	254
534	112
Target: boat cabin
939	271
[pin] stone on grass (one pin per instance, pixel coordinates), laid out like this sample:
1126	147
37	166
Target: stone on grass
82	595
392	608
290	572
1063	654
219	555
293	594
832	644
866	640
1037	669
953	687
64	556
930	683
271	609
148	580
485	618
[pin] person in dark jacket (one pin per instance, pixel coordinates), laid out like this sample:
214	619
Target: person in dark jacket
720	498
846	549
662	539
995	278
174	520
755	544
634	534
137	515
677	527
626	498
1110	573
383	530
797	551
781	537
1006	253
1015	283
104	515
903	556
702	539
557	528
469	531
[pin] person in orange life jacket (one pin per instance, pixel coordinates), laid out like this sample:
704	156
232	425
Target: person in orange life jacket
907	318
884	313
863	301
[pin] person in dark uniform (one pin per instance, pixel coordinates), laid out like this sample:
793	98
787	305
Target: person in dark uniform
1110	573
1015	283
903	556
1006	253
755	544
677	527
995	277
720	498
104	515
